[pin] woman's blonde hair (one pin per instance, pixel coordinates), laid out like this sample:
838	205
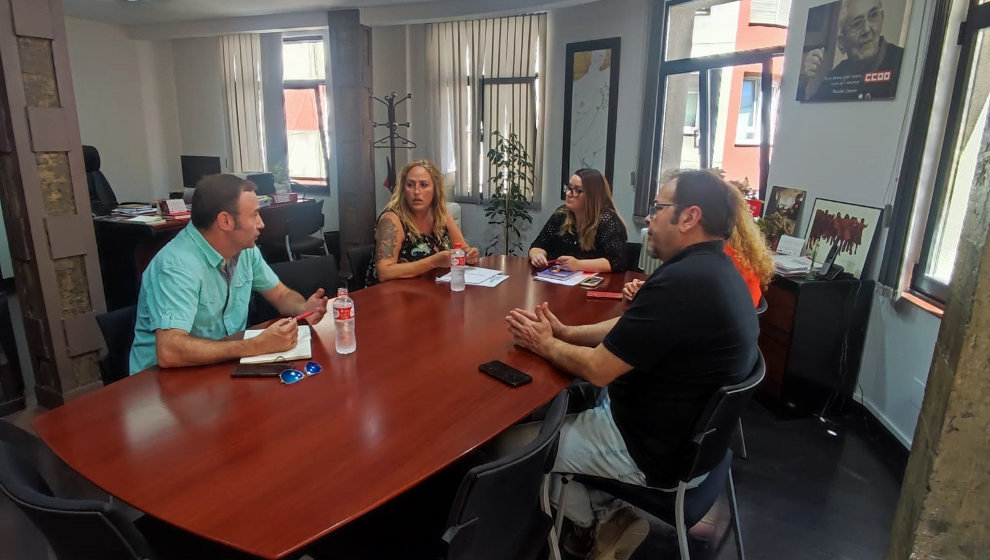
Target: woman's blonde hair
748	243
397	202
597	199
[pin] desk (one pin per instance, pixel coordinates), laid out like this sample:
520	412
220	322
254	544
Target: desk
126	248
267	468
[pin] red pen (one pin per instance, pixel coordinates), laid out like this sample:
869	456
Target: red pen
551	263
303	316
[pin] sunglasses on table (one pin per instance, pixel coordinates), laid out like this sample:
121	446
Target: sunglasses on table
291	376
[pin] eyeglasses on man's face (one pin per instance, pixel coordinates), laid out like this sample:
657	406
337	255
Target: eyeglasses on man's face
659	206
573	191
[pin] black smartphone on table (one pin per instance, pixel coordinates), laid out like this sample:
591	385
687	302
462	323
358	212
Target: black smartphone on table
505	373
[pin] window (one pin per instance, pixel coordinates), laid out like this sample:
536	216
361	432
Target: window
749	124
714	98
304	89
957	156
485	75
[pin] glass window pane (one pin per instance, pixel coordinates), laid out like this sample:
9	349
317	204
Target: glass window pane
702	29
302	129
960	178
681	135
303	60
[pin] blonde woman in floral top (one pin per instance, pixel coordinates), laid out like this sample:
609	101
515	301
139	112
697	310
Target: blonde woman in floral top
415	234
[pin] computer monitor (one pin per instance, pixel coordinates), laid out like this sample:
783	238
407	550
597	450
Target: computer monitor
195	168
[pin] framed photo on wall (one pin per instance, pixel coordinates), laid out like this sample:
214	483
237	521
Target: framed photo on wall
591	83
851	227
853	50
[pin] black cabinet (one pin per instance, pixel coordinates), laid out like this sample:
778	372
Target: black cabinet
11	382
812	338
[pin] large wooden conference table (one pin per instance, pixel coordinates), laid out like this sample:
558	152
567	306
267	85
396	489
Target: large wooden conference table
268	468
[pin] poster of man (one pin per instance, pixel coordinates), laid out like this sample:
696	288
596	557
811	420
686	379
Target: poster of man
852	50
850	226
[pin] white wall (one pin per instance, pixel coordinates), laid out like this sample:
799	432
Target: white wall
198	80
127	107
389	53
852	152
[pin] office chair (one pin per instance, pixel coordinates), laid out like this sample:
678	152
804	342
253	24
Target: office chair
761	308
632	256
101	196
360	260
304	276
83	529
708	451
497	513
289	230
117	327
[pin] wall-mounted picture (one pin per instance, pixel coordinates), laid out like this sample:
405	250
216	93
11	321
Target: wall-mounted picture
850	226
784	206
853	50
591	82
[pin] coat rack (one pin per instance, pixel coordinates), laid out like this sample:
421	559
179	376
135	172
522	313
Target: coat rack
393	140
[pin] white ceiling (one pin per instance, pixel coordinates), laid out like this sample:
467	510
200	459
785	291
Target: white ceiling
151	12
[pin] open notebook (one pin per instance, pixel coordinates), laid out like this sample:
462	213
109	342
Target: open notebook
302	351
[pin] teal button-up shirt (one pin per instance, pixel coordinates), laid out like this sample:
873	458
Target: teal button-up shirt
184	288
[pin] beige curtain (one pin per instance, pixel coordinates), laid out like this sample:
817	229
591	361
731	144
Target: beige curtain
458	53
241	56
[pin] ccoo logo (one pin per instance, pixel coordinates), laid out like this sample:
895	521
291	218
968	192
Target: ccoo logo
877	76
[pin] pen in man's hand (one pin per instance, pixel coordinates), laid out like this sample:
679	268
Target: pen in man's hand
303	316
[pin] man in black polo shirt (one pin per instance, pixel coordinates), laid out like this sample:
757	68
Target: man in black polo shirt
690	330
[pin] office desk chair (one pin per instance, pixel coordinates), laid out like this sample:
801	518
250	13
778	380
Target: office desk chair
101	196
82	529
360	259
117	327
761	308
708	451
304	276
290	228
632	256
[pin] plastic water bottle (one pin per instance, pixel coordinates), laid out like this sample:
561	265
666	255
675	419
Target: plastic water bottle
457	261
343	320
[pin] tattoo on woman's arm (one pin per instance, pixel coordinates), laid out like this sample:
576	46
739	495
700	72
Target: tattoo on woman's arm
386	238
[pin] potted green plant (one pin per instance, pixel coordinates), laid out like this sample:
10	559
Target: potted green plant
512	183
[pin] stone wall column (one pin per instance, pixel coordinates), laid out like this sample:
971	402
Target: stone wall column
46	201
349	72
944	509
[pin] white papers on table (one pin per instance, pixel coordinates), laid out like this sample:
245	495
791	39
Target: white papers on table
572	281
477	276
791	246
787	264
302	351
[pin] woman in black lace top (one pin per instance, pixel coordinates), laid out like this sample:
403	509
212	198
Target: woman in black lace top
586	233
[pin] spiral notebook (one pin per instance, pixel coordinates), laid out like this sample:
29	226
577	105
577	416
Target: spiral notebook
302	351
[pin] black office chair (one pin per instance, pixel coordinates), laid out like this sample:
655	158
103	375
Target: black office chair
761	308
632	256
304	276
708	451
289	231
497	513
117	327
360	260
101	196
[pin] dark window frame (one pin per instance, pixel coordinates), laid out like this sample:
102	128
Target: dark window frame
314	85
906	197
651	135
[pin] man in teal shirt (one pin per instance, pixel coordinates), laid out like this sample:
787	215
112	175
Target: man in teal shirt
195	292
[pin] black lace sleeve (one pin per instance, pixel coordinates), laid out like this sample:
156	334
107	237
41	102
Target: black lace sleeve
610	239
550	230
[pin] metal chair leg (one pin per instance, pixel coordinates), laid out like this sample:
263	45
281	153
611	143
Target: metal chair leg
742	441
554	536
682	541
734	510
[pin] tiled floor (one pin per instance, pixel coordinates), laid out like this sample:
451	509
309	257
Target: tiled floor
803	494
